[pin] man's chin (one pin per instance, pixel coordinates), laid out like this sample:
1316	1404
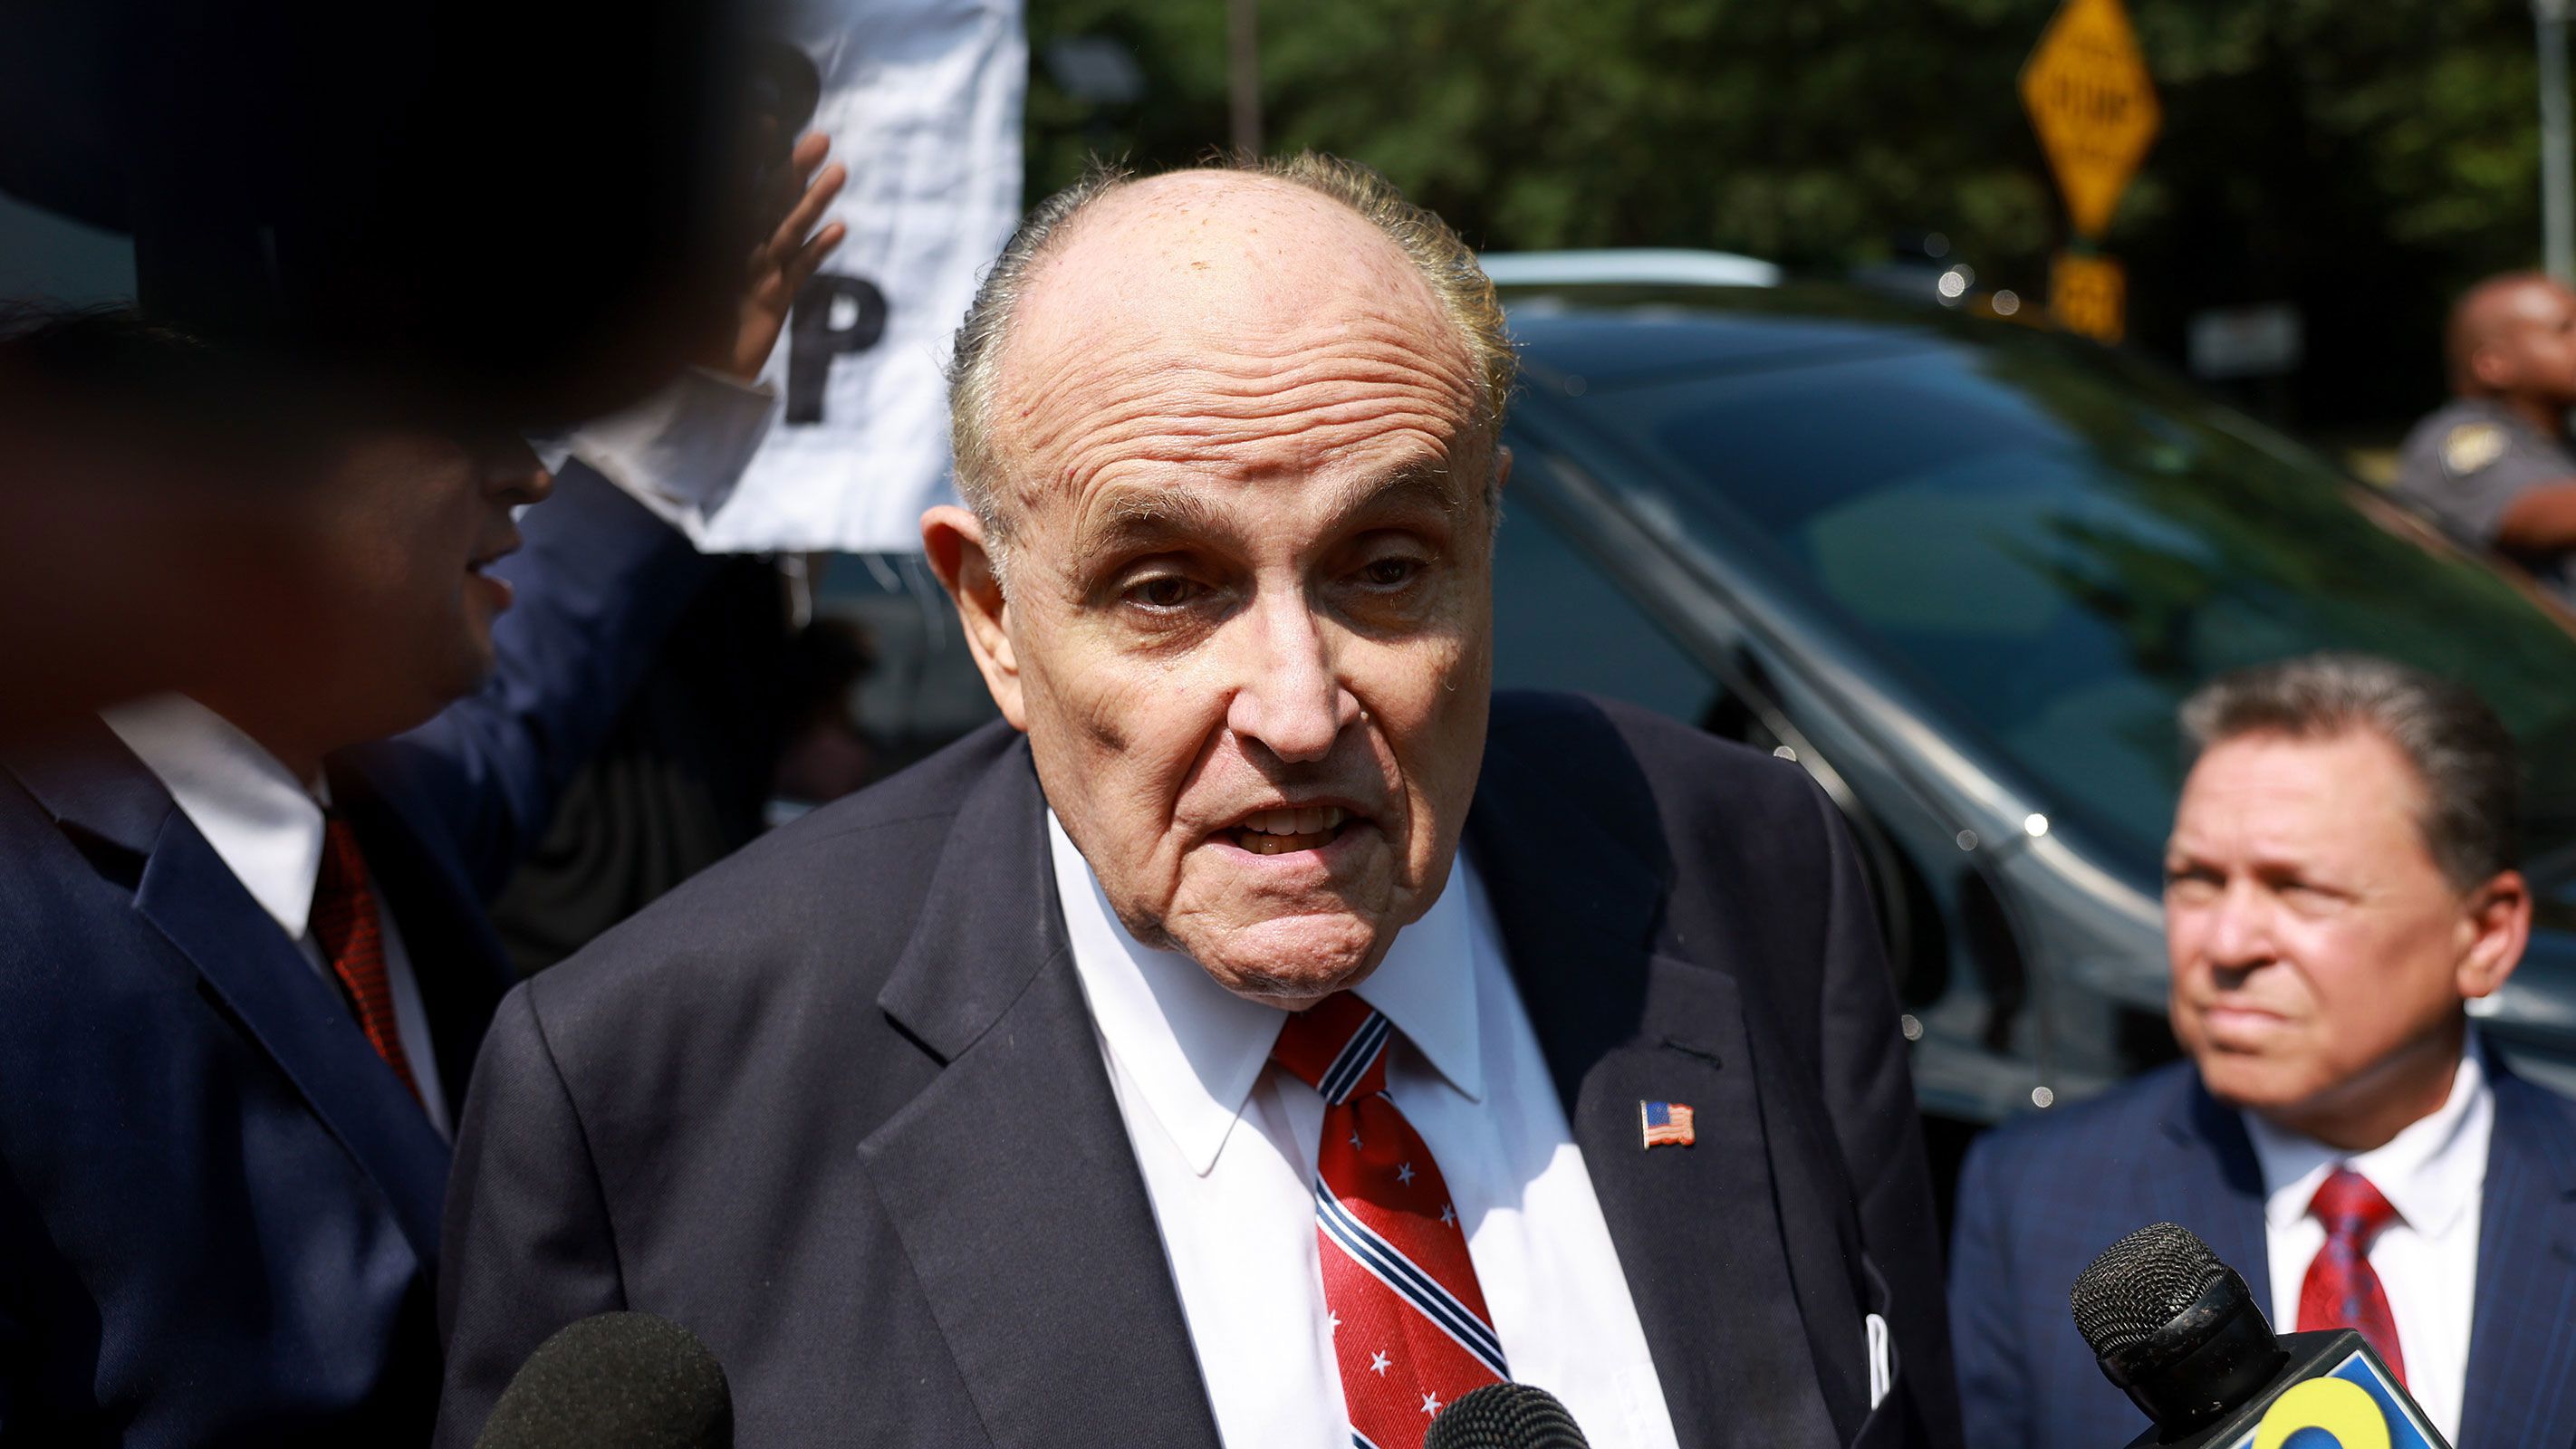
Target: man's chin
1290	962
2260	1084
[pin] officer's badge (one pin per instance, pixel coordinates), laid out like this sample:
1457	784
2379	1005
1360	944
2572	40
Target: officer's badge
2471	446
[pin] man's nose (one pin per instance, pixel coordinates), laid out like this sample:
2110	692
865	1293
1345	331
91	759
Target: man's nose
515	475
1288	698
2238	931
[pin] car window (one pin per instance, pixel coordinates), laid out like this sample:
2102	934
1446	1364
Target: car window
924	690
2060	555
1559	623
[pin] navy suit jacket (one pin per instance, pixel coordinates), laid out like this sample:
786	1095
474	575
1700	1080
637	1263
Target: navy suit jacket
837	1106
219	1212
2041	1196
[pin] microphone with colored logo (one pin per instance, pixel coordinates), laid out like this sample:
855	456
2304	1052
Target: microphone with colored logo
1504	1416
2179	1332
615	1381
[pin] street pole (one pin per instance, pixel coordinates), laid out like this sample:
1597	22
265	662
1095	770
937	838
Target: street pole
2557	189
1243	72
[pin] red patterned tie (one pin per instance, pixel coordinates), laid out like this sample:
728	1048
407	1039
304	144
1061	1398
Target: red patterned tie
1409	1323
2342	1290
351	934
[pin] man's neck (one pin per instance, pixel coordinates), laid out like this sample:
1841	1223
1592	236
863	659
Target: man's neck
2548	417
276	731
2408	1086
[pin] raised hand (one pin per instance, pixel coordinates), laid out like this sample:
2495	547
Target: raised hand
779	266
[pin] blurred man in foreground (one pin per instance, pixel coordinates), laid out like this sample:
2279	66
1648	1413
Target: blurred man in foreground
243	961
1154	1067
2340	882
2495	463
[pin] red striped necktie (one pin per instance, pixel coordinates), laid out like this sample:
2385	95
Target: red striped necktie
2342	1290
1410	1328
345	925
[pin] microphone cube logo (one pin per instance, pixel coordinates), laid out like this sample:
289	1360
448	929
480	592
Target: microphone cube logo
2354	1407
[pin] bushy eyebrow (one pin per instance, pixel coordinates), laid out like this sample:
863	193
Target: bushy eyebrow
1142	518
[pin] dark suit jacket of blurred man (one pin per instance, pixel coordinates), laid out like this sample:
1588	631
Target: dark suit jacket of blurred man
219	1211
838	1107
2041	1196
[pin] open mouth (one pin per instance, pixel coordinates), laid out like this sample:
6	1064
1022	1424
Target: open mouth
1301	827
480	564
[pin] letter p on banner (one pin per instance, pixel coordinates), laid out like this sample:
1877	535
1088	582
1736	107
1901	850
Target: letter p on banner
922	100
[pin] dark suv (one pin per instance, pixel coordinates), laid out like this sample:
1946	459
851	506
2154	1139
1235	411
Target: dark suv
1962	571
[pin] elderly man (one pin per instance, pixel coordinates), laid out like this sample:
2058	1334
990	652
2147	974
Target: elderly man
2494	462
2339	884
1154	1067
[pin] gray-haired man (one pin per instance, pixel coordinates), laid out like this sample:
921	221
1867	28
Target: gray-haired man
2339	884
1185	1061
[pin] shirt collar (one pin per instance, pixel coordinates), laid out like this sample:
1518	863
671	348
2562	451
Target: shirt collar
1193	1049
2429	1171
263	824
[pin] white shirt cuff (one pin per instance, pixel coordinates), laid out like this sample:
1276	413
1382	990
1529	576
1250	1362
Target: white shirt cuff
681	450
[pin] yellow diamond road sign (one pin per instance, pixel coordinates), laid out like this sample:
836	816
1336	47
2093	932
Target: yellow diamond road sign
2088	95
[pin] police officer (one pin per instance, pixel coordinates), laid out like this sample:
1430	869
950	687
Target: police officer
2495	462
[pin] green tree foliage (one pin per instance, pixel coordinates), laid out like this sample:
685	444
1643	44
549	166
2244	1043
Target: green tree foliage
2361	158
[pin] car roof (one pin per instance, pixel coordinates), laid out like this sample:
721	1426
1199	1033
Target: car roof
1608	333
1649	265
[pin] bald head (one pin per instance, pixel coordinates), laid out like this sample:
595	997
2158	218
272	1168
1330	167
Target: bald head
1225	299
1210	254
2513	337
1211	269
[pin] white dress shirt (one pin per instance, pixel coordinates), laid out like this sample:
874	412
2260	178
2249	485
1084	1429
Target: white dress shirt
2434	1173
681	450
266	827
1227	1145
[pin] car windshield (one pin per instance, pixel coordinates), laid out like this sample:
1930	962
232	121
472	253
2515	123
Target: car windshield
2060	550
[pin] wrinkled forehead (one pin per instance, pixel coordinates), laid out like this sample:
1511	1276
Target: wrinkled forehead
1213	320
2317	796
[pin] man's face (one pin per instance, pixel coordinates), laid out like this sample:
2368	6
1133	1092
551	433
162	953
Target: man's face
2316	947
1249	605
406	524
2533	350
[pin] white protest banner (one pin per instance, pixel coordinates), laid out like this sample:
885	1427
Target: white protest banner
922	100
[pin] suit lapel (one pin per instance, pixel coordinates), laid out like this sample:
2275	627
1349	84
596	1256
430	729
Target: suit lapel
2522	1347
1734	1303
1010	1178
2203	1176
98	789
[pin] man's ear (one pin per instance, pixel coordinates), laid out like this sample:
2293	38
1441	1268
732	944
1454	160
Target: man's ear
954	540
2499	926
2491	368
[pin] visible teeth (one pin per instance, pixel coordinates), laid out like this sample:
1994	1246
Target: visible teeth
1305	827
1302	820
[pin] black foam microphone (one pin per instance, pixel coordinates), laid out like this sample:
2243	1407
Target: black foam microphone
2179	1332
615	1381
1505	1416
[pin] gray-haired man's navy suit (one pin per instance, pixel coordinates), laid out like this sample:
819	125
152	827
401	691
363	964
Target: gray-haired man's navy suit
2041	1196
838	1107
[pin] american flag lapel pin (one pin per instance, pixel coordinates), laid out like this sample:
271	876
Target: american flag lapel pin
1664	1124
